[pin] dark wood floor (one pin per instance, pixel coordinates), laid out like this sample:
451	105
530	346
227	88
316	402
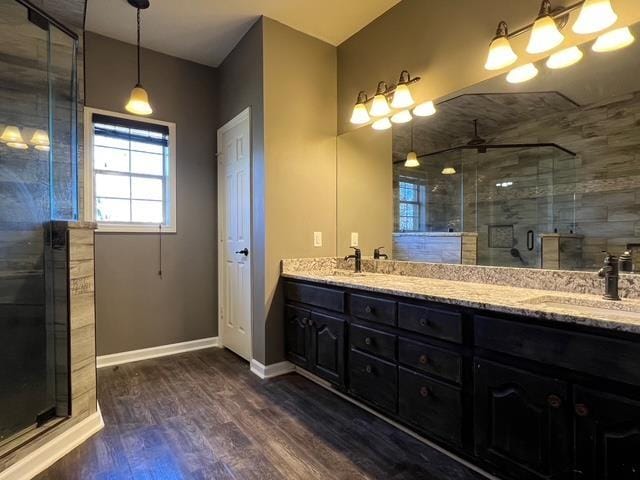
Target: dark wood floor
203	415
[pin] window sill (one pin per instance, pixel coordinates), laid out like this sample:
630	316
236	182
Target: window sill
133	228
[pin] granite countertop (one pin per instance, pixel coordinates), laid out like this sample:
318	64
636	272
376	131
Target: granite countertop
583	309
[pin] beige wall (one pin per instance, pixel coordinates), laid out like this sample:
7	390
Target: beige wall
443	41
365	190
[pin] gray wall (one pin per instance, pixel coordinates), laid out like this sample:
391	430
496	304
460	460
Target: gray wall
136	308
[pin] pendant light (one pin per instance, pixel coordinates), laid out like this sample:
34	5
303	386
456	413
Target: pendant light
595	15
565	58
425	109
544	34
139	99
380	105
402	96
448	171
412	157
360	115
13	138
522	74
40	140
382	124
403	116
613	40
501	54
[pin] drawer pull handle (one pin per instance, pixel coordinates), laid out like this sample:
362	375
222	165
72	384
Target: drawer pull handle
368	309
368	369
423	359
582	410
424	392
367	341
424	322
554	401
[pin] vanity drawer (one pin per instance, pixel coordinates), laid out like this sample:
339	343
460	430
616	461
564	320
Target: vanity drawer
316	296
373	341
373	380
432	406
373	309
434	322
429	359
602	356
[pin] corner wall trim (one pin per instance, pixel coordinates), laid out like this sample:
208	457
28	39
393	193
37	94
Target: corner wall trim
56	448
154	352
270	371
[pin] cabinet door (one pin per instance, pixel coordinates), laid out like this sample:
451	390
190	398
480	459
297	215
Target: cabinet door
327	347
522	421
607	436
297	335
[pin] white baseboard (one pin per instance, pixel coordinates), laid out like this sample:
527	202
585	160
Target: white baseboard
273	370
328	386
43	457
154	352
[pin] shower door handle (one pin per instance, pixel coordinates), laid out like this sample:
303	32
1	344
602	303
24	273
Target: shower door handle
530	244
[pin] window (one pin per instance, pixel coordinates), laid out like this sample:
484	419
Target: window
409	206
130	173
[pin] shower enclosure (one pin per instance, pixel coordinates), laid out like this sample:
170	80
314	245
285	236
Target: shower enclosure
38	186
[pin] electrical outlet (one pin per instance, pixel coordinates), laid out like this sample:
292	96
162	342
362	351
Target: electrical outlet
354	239
317	239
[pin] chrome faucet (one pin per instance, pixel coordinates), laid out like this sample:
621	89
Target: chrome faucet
358	258
610	274
377	255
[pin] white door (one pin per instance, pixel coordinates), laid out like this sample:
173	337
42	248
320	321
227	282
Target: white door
234	235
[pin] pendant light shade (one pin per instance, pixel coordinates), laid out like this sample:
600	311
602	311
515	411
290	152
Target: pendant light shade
565	58
360	115
402	97
40	140
544	34
448	171
403	116
382	124
425	109
613	40
412	160
522	74
595	15
13	138
139	99
501	54
380	105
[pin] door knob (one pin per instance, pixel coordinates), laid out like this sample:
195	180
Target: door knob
244	251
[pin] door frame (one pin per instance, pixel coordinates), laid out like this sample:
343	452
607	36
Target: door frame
244	115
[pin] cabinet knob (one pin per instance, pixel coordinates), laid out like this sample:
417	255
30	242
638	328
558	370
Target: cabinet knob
554	401
368	369
310	323
581	410
368	309
367	341
423	322
423	359
305	321
424	392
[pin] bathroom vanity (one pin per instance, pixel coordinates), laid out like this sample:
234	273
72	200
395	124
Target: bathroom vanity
527	384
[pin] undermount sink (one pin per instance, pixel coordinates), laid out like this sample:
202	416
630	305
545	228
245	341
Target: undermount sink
617	308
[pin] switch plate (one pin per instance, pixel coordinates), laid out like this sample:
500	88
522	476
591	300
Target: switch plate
317	239
354	239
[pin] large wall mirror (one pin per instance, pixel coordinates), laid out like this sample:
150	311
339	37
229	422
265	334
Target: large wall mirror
540	174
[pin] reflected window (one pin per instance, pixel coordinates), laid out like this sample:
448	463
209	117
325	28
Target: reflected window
132	181
410	205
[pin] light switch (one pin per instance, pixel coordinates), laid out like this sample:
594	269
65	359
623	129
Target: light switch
354	239
317	239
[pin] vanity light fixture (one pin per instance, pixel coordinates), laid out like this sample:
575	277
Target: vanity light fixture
565	58
501	54
522	74
40	140
360	114
380	105
613	40
13	138
402	96
412	156
448	171
139	99
402	116
595	15
545	34
382	124
425	109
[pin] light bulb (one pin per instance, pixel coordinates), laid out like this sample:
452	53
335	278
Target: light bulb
382	124
412	160
613	40
565	58
501	54
360	114
595	15
544	35
448	171
522	73
425	109
402	117
139	102
379	106
402	97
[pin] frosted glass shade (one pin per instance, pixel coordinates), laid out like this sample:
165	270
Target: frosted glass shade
544	36
139	102
565	58
613	40
425	109
360	114
412	160
402	97
13	138
448	171
40	139
379	106
382	124
595	15
522	73
501	54
402	117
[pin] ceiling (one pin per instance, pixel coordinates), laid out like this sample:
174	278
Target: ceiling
207	30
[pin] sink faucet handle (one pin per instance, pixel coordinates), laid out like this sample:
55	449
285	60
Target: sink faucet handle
378	255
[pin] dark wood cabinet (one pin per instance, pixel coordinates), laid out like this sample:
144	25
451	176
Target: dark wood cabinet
607	436
327	348
522	421
297	335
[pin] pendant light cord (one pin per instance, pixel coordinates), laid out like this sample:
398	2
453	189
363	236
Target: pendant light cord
138	46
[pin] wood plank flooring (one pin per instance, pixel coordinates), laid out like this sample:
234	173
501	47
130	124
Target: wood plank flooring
203	415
